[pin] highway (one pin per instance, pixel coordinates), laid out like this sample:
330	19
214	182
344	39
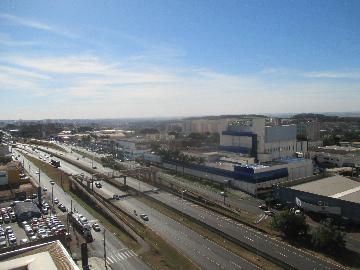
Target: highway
202	251
282	251
119	256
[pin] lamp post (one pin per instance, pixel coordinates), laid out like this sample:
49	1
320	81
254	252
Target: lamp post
39	177
52	193
105	250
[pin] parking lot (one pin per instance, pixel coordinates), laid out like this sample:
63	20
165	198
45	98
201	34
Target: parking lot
17	232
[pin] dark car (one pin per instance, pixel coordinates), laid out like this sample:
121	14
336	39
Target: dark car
263	207
144	217
98	185
62	207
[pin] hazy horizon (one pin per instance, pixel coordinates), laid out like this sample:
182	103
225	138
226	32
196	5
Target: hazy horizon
280	114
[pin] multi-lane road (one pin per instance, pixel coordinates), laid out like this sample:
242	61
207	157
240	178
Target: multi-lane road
205	253
296	258
118	255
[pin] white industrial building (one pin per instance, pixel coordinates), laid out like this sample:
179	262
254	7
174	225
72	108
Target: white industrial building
265	143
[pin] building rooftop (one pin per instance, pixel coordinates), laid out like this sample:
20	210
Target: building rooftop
337	186
53	255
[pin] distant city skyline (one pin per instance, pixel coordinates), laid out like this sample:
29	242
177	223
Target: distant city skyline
140	59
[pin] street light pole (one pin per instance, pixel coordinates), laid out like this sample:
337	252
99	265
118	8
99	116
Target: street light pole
39	178
105	250
52	194
61	179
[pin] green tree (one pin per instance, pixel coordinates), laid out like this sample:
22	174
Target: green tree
328	237
289	224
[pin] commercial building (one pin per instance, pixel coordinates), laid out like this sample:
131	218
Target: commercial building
10	174
309	130
132	149
332	196
265	143
338	156
205	125
248	177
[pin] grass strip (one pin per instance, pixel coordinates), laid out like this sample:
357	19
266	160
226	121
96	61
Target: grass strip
87	155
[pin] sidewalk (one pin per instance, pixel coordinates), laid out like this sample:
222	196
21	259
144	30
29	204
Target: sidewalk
95	263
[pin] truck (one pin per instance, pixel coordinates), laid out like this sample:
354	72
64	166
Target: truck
55	163
81	225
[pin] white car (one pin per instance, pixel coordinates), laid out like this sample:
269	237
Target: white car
56	200
24	241
37	172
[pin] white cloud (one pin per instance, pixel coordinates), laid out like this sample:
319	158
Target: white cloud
25	22
89	86
350	74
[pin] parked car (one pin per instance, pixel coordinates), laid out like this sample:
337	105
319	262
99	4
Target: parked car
3	243
6	218
13	217
56	200
24	241
44	189
32	238
8	230
12	241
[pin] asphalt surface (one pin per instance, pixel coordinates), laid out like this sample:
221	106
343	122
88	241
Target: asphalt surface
118	255
284	252
202	251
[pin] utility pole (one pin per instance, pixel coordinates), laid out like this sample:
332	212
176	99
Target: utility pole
61	179
105	250
257	226
52	194
39	178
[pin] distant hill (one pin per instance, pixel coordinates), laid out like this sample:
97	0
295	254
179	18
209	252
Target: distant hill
214	117
325	118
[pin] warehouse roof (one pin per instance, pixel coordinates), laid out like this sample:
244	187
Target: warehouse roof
338	187
22	207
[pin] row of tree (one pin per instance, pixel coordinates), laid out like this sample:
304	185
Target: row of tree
327	237
178	156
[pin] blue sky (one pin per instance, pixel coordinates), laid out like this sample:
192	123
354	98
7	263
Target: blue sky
119	59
